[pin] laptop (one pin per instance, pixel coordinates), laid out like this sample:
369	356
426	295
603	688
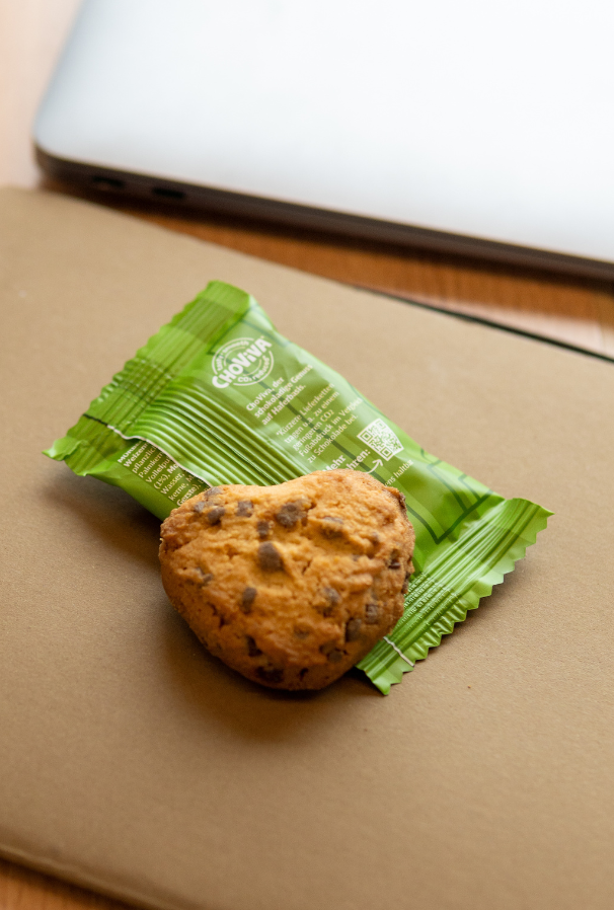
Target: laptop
482	128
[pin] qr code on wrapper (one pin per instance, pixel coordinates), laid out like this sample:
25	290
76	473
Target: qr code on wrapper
379	437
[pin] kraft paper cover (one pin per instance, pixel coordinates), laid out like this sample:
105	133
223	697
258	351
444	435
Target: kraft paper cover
133	762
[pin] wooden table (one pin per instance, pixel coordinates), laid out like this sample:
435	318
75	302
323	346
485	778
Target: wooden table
575	311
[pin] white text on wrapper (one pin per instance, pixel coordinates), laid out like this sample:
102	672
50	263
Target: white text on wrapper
243	361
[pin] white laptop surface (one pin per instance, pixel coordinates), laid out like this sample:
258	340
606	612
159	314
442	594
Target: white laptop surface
481	126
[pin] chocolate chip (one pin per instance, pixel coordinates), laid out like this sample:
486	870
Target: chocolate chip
399	498
269	558
245	508
332	599
332	596
205	577
270	674
301	633
371	613
352	629
303	673
335	655
199	506
289	514
394	560
215	515
405	587
331	527
263	529
252	648
247	599
212	491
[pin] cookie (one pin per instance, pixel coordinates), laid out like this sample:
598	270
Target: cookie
292	584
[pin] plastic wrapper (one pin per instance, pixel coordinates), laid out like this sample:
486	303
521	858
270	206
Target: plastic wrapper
218	396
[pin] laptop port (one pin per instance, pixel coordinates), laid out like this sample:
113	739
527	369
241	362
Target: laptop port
108	184
166	193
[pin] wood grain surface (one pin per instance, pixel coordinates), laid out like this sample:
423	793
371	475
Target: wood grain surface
575	311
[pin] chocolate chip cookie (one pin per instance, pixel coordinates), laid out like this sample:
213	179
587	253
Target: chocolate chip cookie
293	584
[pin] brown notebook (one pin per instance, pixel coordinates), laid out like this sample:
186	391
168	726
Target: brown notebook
134	763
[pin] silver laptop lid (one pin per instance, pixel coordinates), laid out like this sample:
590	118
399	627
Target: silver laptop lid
482	119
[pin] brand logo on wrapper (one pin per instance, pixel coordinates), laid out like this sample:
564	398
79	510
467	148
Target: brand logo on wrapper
242	361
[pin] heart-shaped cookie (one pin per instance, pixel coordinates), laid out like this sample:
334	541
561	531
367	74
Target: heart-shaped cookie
292	584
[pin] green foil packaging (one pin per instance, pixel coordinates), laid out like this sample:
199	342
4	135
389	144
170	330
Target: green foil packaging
218	396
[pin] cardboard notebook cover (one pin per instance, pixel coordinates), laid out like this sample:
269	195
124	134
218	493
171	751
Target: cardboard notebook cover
133	762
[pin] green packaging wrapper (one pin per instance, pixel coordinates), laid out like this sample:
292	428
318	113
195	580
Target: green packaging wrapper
218	396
